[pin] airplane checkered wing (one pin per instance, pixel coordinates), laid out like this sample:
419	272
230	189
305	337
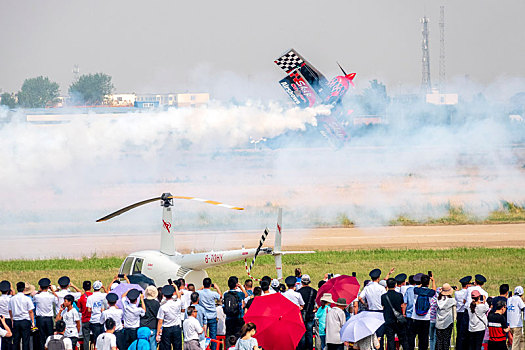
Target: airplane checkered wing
289	61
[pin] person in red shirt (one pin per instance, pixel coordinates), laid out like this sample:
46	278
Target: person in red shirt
86	315
498	328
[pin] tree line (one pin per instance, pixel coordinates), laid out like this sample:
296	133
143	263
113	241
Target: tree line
40	92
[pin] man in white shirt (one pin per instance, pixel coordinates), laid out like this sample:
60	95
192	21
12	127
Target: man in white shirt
462	314
21	313
192	329
5	288
479	281
107	340
132	314
116	315
335	319
401	284
95	304
515	307
421	317
59	337
64	282
46	301
371	295
5	331
71	317
291	294
169	325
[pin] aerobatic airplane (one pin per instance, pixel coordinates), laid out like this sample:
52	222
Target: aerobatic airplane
308	87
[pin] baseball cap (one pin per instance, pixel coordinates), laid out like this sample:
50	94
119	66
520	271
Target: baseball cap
97	285
305	279
274	283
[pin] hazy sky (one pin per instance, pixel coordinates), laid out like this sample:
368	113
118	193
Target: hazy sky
227	47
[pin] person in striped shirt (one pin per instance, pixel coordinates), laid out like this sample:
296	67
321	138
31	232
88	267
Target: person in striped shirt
498	327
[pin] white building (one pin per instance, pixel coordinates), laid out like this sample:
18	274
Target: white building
121	100
436	98
176	100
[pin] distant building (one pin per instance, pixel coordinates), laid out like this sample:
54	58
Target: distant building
436	98
121	100
173	99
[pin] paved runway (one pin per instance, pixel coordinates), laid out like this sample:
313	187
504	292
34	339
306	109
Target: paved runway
505	235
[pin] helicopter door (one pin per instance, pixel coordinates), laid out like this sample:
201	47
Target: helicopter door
137	266
126	265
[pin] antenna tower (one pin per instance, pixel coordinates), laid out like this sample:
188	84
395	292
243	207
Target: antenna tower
426	86
76	72
442	78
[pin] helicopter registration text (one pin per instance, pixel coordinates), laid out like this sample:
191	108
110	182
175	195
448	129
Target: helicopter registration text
213	258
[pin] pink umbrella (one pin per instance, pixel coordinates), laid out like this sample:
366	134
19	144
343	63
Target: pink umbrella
340	287
123	288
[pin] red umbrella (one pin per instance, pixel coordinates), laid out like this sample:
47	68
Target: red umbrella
340	287
278	320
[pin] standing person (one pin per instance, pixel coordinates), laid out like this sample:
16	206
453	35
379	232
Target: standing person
462	313
142	341
371	295
201	317
58	340
515	307
21	313
248	286
367	343
498	327
432	330
503	295
308	295
391	301
169	331
65	283
444	317
401	284
85	315
477	314
5	288
132	314
71	317
207	299
421	314
257	292
321	316
233	304
95	304
408	298
150	317
298	275
45	302
114	313
246	340
479	281
107	340
5	331
291	294
335	319
192	330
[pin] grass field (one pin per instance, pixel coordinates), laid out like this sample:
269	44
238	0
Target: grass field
499	265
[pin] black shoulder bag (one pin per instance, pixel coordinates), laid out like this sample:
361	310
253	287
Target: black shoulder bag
399	317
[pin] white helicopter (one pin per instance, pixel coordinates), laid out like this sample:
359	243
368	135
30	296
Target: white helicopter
167	263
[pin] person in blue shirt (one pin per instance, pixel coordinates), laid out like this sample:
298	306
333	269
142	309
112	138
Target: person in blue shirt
207	299
409	301
233	305
142	341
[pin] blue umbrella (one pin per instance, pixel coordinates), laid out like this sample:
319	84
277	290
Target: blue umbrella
361	326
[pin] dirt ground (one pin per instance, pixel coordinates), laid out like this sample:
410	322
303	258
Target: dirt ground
508	235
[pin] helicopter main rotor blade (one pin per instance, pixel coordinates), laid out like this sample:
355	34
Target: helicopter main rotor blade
208	201
129	207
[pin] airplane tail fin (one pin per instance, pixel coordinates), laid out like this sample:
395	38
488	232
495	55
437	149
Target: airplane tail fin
167	238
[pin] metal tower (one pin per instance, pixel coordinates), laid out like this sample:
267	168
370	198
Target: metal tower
442	78
76	72
426	86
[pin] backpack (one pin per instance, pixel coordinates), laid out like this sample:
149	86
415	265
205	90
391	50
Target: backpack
422	302
56	344
231	304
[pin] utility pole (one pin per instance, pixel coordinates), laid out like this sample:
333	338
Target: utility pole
76	72
442	78
426	85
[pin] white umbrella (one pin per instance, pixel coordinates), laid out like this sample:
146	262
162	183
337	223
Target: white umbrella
361	325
